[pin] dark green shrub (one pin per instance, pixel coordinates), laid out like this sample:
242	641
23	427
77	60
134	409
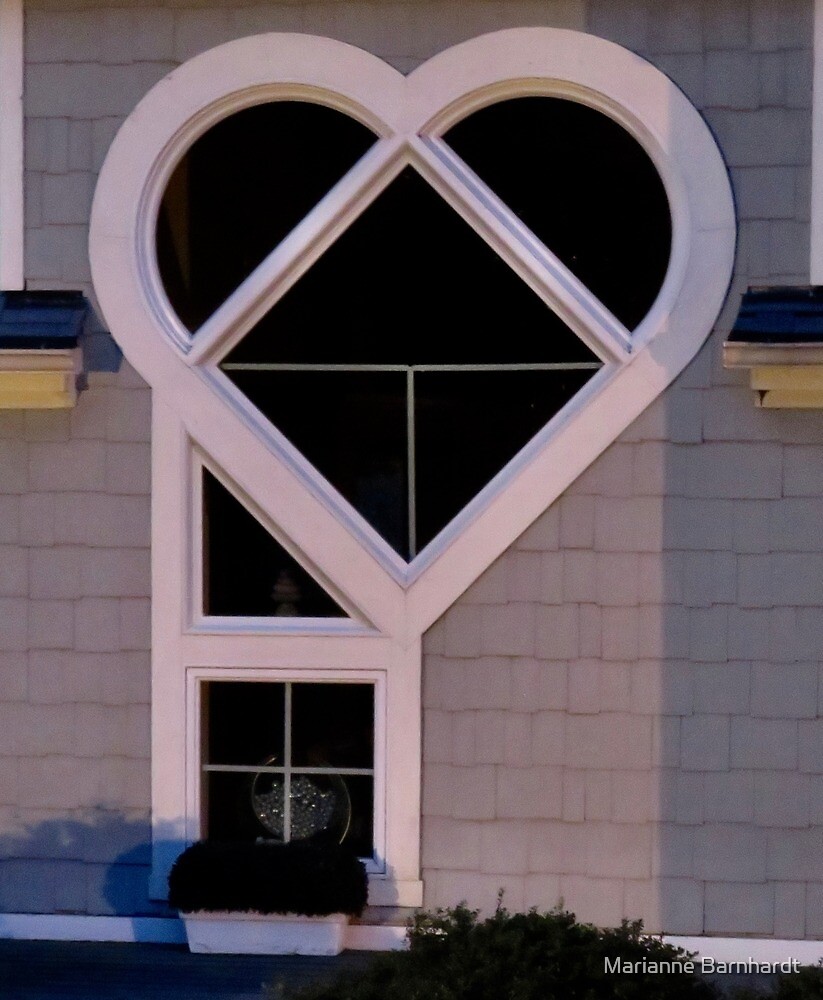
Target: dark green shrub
805	984
522	956
299	877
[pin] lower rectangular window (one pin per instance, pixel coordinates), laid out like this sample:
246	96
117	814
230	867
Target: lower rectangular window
289	761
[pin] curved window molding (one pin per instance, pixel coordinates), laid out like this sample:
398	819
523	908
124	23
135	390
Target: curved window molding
197	407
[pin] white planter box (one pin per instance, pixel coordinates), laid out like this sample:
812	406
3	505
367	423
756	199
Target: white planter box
265	933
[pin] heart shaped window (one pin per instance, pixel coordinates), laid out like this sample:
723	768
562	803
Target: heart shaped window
415	355
370	306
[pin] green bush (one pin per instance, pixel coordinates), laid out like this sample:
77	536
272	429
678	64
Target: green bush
524	956
299	877
805	984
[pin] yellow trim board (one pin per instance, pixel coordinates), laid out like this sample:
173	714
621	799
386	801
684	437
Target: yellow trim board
38	380
788	386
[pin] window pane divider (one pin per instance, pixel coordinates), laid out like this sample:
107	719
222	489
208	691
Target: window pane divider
287	761
541	269
273	769
296	253
537	366
411	464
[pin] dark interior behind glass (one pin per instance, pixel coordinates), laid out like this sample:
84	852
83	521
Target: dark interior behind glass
240	189
246	571
245	727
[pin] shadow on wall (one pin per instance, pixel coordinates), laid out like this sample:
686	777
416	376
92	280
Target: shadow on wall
91	862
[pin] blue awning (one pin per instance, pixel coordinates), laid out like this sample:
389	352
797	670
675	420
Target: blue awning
42	320
780	316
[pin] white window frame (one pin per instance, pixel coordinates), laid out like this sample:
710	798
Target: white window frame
196	677
197	410
11	145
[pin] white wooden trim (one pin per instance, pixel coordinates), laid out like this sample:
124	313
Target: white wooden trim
196	405
170	559
741	949
816	262
375	937
580	67
536	265
196	676
11	145
184	653
313	235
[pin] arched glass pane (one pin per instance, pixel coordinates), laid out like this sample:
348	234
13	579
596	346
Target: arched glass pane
584	186
240	189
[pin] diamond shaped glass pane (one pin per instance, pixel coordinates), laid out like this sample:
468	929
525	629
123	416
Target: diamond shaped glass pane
410	283
410	364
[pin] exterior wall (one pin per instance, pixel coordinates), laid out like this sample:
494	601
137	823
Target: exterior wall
622	711
74	640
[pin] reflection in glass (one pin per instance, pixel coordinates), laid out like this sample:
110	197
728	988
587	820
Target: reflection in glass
289	761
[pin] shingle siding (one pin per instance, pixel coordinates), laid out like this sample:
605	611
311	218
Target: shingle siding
717	625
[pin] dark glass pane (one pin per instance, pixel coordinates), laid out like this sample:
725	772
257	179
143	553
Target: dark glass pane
352	427
332	725
584	186
360	834
245	722
409	282
469	425
230	814
244	725
246	571
240	189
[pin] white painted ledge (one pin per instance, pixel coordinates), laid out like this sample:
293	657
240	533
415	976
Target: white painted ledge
160	930
741	949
